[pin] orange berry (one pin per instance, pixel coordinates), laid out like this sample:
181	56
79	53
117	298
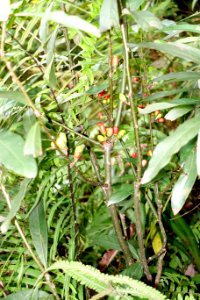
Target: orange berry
161	120
149	153
109	131
141	106
135	79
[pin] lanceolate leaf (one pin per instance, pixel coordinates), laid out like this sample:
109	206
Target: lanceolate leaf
12	156
121	194
109	15
15	205
146	19
198	154
164	105
38	228
69	21
171	145
179	76
178	112
33	144
28	295
175	49
184	185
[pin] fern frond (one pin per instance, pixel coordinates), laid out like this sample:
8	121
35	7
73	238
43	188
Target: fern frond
119	285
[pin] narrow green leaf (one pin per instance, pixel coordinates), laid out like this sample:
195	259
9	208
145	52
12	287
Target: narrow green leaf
121	194
159	95
60	17
145	19
164	105
169	146
184	184
179	76
109	15
178	112
12	156
174	49
15	205
198	154
33	144
14	95
38	229
183	27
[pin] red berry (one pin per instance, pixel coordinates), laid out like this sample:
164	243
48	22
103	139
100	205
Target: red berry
101	94
115	130
100	116
145	95
107	96
134	155
135	79
141	106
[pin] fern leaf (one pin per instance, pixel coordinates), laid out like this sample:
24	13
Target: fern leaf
119	285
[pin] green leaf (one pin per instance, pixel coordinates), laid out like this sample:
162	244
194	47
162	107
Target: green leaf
109	15
174	49
164	105
106	241
198	154
60	17
179	76
33	144
183	27
28	295
15	205
12	156
184	184
121	194
134	271
134	5
146	19
14	95
38	229
176	113
169	146
159	95
97	89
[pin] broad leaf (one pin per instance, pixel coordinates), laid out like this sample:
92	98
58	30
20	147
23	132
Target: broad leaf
134	271
134	5
109	15
171	145
159	95
12	156
121	194
97	89
33	144
198	154
106	241
184	185
60	17
38	229
178	112
145	19
175	49
15	205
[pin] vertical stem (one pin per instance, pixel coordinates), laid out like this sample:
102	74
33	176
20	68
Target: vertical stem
137	183
112	208
110	75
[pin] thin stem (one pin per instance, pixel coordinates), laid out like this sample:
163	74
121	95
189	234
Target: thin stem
110	76
137	183
112	208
